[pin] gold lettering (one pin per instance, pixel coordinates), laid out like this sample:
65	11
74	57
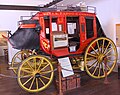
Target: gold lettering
45	45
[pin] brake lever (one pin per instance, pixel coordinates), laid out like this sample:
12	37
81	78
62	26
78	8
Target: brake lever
9	32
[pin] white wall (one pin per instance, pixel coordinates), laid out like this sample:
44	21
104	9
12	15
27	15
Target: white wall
9	18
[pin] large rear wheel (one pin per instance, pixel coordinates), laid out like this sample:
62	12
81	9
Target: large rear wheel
100	49
17	59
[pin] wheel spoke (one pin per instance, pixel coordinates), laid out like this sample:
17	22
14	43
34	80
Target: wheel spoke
92	65
26	76
95	69
103	69
37	86
44	67
14	68
46	72
27	81
106	48
108	67
35	64
98	47
103	45
42	81
40	64
24	70
99	71
27	68
45	77
19	58
22	56
94	50
108	51
32	83
93	55
16	63
30	66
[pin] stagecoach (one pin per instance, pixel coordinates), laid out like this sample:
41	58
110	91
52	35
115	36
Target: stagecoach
54	33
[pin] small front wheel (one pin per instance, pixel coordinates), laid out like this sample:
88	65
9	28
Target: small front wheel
35	73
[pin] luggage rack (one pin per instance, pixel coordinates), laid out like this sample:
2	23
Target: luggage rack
89	9
70	8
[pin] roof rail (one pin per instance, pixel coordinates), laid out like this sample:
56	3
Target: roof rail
91	9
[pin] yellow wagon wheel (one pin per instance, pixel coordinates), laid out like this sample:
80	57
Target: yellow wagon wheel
96	52
19	57
35	73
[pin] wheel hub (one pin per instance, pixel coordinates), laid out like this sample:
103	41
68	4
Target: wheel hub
37	75
100	58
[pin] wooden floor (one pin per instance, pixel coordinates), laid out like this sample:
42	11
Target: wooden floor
89	86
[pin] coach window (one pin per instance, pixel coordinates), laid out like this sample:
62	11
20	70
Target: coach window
89	27
73	25
54	24
47	26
